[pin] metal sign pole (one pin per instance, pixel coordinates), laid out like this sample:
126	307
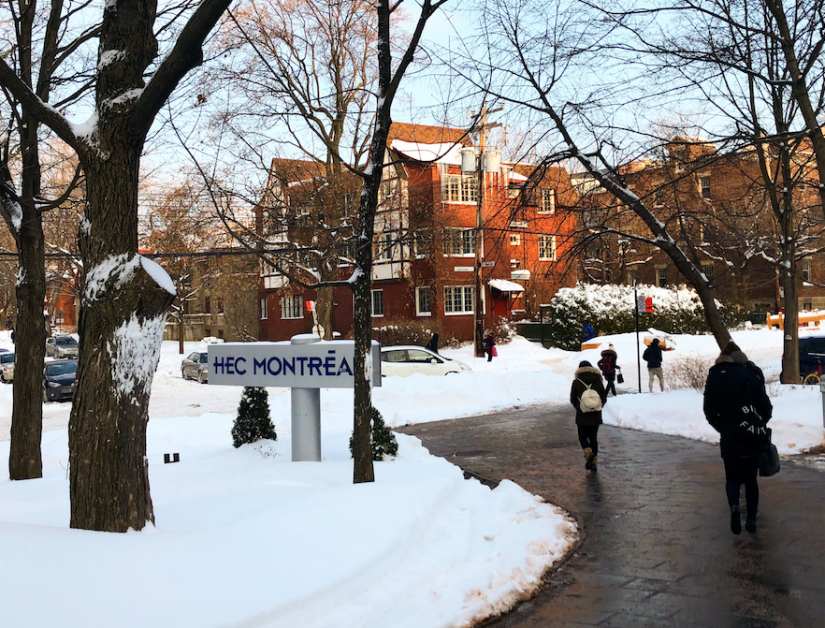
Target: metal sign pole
306	416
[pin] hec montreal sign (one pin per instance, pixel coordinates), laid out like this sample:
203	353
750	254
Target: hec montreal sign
325	364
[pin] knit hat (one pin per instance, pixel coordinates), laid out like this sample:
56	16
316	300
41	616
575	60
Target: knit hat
584	363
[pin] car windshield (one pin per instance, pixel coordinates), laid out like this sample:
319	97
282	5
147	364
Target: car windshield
66	342
7	358
61	369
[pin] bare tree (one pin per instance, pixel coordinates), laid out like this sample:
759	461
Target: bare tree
45	44
125	296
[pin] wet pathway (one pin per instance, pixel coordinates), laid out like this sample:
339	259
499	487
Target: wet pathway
657	549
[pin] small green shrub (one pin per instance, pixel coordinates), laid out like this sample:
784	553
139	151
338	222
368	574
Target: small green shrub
382	438
253	423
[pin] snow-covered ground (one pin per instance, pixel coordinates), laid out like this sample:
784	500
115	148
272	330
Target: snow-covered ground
246	538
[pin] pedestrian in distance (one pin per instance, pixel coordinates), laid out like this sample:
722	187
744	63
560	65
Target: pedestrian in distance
587	332
490	347
653	357
588	396
608	366
737	406
432	345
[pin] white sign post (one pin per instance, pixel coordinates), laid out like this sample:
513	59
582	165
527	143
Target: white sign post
305	364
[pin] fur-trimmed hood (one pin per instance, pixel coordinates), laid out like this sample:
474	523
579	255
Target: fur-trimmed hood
588	369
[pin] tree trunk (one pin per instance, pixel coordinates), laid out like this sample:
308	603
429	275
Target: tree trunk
324	307
121	329
30	343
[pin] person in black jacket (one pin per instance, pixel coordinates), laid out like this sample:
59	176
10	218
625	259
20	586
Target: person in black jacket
432	345
737	406
653	357
587	423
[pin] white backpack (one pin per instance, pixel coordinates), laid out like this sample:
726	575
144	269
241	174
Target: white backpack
590	401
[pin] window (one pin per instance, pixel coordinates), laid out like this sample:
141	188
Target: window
423	301
547	247
631	277
515	239
207	305
382	250
459	242
548	201
513	190
220	333
459	188
263	309
378	303
806	270
220	305
708	270
661	277
458	299
422	244
292	306
704	185
208	332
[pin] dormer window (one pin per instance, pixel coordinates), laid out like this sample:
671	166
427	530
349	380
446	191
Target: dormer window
704	186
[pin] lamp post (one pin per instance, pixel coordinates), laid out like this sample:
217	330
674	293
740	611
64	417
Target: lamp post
478	163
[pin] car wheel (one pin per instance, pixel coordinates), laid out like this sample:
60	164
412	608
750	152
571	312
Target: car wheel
183	373
811	379
201	377
3	378
451	373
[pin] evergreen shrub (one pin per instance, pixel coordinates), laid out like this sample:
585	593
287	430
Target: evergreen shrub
610	309
383	440
253	423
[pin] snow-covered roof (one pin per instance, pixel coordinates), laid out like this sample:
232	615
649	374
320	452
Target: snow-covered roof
438	153
502	285
515	176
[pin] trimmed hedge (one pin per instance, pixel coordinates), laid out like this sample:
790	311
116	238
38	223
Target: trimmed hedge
611	310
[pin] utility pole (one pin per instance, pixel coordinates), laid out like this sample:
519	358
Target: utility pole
481	128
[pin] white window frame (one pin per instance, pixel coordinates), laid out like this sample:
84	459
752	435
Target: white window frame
377	298
805	271
459	188
384	248
545	242
264	314
465	239
707	269
661	277
515	239
292	307
420	291
547	202
465	299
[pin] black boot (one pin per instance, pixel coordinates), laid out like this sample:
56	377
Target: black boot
750	524
735	520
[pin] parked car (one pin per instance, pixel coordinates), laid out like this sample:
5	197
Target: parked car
811	360
61	347
6	367
59	380
196	366
405	360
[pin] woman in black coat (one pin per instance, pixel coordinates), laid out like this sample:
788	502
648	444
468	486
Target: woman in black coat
737	406
587	423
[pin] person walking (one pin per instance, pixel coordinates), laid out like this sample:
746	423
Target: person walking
432	345
653	357
607	365
737	406
490	347
588	380
587	331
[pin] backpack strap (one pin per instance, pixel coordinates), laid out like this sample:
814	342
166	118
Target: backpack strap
587	386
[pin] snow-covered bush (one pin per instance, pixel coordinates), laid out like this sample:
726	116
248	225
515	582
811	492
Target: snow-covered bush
690	371
610	309
403	332
253	423
383	440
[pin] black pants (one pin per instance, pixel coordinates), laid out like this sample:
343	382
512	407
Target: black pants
739	471
588	437
611	379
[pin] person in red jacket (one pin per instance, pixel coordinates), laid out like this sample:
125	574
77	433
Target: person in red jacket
608	367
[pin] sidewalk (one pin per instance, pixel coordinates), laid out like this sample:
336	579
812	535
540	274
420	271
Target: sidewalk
657	549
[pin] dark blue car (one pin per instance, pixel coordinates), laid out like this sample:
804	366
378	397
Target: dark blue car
59	378
811	359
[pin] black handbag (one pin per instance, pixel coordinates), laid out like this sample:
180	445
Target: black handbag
768	458
620	377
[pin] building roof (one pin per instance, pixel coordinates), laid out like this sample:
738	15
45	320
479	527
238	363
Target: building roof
427	134
502	285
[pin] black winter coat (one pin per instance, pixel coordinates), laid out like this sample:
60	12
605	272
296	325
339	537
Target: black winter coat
653	355
731	385
592	376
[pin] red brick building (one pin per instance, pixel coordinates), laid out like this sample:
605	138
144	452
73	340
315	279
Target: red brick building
425	239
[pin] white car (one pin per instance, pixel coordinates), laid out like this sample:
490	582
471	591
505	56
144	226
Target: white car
406	360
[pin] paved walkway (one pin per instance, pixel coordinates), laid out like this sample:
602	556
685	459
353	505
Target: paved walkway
657	549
